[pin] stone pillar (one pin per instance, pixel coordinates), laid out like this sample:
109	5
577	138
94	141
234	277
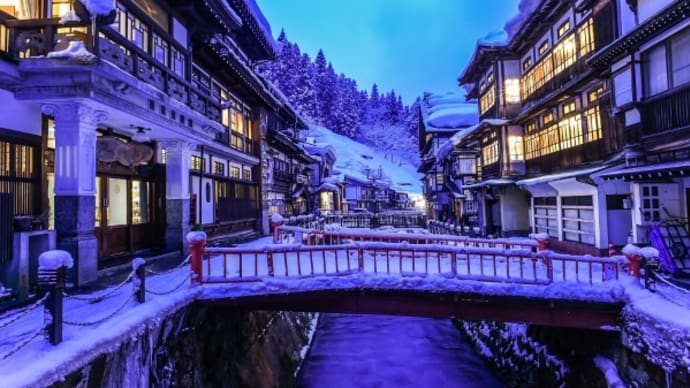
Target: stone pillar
177	194
75	184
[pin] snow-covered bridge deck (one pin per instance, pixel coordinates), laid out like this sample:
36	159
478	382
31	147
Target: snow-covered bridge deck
506	284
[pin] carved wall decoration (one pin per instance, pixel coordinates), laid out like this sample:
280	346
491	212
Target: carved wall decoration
111	149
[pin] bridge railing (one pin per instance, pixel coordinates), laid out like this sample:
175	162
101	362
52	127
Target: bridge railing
228	265
296	235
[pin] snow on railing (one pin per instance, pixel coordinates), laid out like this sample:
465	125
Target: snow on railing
514	265
291	234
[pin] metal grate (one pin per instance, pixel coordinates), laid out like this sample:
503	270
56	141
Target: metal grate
6	226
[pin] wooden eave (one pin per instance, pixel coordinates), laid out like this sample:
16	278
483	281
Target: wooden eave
205	16
484	55
250	35
540	21
631	42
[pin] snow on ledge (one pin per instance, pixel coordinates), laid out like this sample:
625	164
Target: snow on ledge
76	50
631	250
52	260
649	252
539	236
276	218
137	262
99	7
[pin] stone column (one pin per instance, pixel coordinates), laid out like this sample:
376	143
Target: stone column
75	184
177	194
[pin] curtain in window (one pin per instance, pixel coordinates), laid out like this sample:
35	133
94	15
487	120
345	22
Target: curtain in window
656	77
680	58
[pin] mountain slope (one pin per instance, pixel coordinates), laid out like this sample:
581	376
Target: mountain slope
353	159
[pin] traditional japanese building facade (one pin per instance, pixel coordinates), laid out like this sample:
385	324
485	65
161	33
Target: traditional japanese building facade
648	68
549	114
441	117
128	128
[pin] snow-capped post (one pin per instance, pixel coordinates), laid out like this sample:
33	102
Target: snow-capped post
139	279
197	242
276	221
632	253
650	259
542	240
610	272
51	278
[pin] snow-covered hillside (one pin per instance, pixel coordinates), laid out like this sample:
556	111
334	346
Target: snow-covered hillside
354	158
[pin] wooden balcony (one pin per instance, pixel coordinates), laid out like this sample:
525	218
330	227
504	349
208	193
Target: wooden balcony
666	112
23	39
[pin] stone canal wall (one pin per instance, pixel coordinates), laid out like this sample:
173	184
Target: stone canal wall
536	356
203	346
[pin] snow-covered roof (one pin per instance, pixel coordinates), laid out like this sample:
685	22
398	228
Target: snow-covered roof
525	9
490	182
448	111
559	176
456	139
99	7
497	38
655	169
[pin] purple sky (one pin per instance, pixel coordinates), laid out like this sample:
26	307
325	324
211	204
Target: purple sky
411	46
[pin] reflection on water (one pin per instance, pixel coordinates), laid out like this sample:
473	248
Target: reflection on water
391	351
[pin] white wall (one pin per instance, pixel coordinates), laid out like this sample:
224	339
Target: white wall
19	116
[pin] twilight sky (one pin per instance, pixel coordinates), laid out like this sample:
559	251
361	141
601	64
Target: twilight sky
411	46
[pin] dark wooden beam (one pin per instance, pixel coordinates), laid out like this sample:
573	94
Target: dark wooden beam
464	306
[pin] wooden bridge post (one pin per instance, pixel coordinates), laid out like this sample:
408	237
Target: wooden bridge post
197	243
51	277
139	267
360	259
454	263
269	263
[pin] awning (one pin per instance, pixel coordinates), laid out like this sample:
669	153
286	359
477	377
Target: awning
559	176
454	189
489	182
675	169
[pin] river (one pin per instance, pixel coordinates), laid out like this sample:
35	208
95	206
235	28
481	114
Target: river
391	351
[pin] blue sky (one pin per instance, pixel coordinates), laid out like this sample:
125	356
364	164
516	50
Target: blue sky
411	46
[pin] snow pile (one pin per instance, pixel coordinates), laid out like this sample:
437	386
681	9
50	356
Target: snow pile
448	111
513	352
69	16
99	7
137	262
52	260
355	159
631	250
608	368
277	218
196	236
494	38
649	252
75	50
525	10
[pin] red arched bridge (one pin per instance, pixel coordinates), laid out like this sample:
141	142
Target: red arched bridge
424	275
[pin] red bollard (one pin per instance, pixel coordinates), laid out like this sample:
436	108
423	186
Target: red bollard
276	221
197	243
543	244
634	266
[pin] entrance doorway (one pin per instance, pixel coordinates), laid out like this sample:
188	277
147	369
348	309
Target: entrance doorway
125	212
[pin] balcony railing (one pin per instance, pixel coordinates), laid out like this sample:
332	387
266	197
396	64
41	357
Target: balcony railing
20	39
666	112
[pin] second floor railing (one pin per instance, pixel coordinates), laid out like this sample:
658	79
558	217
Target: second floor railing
669	111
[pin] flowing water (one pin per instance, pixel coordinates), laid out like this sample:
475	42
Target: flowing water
391	351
